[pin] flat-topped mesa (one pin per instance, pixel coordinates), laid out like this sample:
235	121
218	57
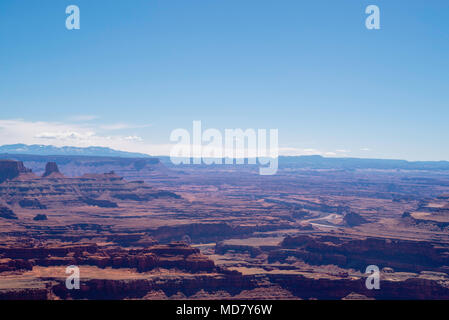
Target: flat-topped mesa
353	219
10	169
52	170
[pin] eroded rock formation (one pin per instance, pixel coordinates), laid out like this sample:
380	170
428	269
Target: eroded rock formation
7	213
52	170
401	255
10	169
40	217
353	219
169	256
53	189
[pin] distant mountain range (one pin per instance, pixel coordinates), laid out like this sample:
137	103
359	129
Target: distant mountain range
319	162
324	163
310	162
67	151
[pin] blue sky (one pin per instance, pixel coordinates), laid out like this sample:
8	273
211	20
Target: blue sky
136	70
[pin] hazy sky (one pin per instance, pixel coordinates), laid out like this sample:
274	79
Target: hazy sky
138	69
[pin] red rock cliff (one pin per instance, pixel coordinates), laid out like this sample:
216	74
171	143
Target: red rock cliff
10	169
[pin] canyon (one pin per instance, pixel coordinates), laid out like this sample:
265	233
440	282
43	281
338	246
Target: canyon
143	228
